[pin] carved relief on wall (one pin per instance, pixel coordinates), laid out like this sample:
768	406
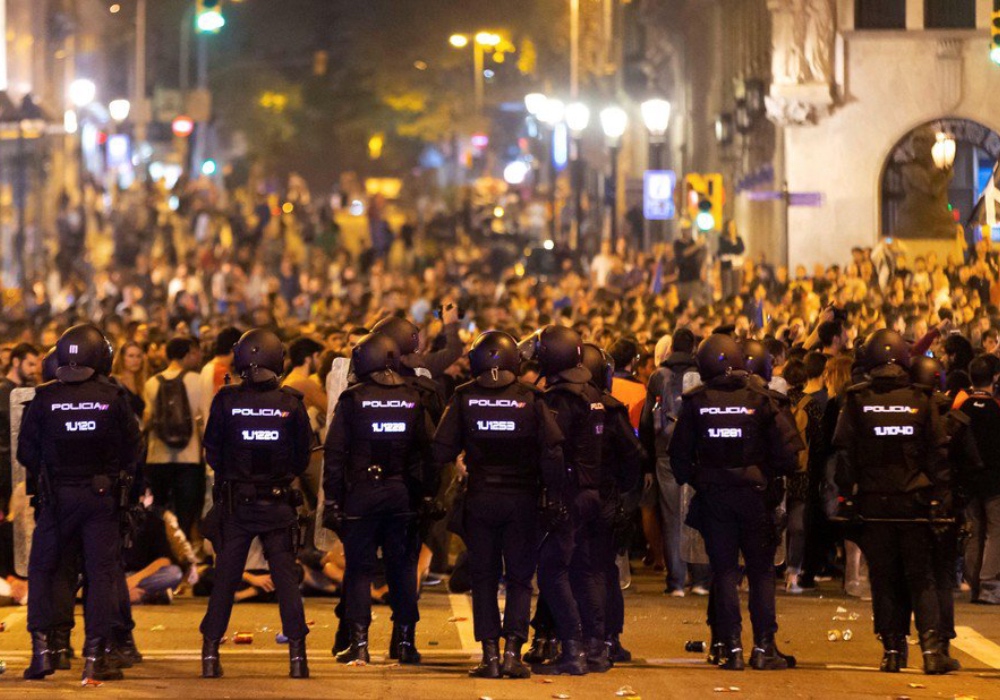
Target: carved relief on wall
802	34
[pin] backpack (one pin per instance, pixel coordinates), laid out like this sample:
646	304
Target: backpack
801	416
172	421
668	403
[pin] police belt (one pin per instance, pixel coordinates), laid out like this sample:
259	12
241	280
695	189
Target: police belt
244	492
499	482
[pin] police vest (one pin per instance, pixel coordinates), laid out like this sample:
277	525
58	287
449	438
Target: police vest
384	425
81	428
258	437
583	448
890	425
500	429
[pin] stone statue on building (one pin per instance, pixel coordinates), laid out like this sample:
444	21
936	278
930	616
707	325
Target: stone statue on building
802	35
924	213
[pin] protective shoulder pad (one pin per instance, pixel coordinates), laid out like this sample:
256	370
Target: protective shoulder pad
292	392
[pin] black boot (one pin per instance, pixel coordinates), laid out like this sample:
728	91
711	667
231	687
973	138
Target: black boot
342	639
946	648
732	655
62	652
95	662
893	646
408	653
597	656
571	661
298	664
935	661
538	651
394	642
489	667
41	658
127	648
211	665
616	652
716	652
357	651
766	657
512	666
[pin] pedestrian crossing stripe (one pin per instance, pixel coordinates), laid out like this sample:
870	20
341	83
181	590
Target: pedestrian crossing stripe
977	646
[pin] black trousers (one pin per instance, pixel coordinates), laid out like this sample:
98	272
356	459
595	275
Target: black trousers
76	514
180	487
380	514
500	535
572	568
901	569
273	522
737	521
614	613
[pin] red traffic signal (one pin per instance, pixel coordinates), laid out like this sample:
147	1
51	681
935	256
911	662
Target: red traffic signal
182	126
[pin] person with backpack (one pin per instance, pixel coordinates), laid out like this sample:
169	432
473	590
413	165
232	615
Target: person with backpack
982	487
656	426
174	470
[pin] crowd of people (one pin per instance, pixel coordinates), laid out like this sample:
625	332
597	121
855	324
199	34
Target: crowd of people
191	269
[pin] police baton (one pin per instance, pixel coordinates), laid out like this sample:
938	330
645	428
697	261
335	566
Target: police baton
898	521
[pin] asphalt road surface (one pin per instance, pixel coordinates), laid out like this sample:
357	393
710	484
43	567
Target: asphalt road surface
656	630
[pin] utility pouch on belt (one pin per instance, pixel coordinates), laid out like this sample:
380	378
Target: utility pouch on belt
101	484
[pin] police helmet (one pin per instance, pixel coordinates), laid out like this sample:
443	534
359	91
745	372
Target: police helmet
757	360
259	356
494	350
599	364
404	334
558	349
928	372
80	353
376	356
50	363
886	347
107	360
718	355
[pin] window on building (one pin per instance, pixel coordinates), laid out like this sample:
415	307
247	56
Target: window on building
881	14
950	14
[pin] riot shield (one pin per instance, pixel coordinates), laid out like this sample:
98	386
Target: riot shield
21	511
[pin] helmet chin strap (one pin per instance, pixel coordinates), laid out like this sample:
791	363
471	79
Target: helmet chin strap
495	374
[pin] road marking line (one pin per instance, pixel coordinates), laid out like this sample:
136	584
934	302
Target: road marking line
977	646
461	607
14	618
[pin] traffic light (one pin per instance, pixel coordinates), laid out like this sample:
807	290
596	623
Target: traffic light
704	198
208	16
995	33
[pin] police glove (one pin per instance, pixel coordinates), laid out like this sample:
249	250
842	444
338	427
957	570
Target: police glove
431	510
555	515
333	518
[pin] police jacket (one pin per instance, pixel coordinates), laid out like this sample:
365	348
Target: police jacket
510	437
622	453
258	433
580	415
77	431
729	434
892	438
382	425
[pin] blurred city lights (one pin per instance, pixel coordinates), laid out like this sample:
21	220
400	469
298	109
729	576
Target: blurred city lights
209	168
480	140
182	126
210	21
82	92
459	41
115	9
288	207
357	207
70	123
656	116
552	112
614	121
119	109
488	39
534	102
497	212
548	245
516	172
577	117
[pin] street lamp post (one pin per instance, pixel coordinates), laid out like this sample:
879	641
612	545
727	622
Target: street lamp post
656	117
614	121
551	114
577	119
480	42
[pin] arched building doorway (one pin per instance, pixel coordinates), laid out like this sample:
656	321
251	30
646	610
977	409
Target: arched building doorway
977	151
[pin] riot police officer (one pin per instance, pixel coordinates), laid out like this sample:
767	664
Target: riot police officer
963	459
573	589
77	437
258	441
893	469
377	475
512	447
621	471
729	444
